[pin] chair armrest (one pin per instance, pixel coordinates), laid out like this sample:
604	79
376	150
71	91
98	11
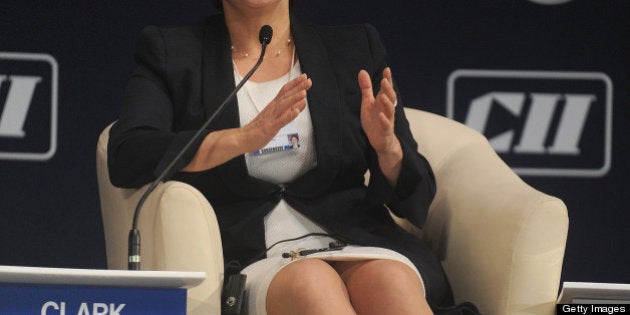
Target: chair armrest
178	228
187	238
501	241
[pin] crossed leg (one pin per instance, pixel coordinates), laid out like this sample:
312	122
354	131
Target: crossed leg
313	286
383	286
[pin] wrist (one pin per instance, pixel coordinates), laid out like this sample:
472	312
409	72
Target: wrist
237	140
391	153
390	162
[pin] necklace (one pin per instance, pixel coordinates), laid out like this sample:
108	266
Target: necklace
257	105
245	54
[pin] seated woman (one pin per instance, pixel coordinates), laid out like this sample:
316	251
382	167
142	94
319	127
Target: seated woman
331	87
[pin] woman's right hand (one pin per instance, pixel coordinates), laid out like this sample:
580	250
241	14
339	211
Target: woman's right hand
221	146
283	109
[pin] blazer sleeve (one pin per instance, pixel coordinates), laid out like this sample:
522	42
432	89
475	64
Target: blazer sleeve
142	142
416	186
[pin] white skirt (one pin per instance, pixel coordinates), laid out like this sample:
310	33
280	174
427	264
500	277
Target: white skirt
260	273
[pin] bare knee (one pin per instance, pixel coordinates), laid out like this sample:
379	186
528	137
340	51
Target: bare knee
307	286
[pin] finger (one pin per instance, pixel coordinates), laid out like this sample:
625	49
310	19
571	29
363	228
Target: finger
386	106
270	125
302	82
385	122
387	73
291	100
388	89
291	113
365	83
286	98
382	126
296	81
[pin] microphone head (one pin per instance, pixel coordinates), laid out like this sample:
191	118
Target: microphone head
265	34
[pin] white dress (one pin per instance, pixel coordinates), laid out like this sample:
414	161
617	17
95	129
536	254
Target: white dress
284	222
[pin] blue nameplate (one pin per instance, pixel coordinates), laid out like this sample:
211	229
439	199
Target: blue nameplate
18	299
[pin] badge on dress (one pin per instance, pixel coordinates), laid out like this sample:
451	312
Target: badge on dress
286	139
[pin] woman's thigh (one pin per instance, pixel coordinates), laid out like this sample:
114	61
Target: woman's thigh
383	286
308	286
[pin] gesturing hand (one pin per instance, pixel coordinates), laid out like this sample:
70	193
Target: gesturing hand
377	120
283	109
223	145
377	112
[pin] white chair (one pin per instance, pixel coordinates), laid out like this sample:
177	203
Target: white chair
501	241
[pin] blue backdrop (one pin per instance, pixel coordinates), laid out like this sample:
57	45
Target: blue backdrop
553	80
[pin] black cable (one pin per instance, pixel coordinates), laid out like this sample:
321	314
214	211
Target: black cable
235	266
299	238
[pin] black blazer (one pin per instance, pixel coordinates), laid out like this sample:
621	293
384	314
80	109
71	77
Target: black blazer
185	72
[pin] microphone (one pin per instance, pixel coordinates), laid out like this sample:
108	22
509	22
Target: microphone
264	36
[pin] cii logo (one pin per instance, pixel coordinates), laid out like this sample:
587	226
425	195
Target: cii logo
28	106
540	123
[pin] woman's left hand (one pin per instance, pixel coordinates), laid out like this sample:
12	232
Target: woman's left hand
377	120
377	112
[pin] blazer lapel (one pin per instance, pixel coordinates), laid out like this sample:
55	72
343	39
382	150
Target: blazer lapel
324	103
